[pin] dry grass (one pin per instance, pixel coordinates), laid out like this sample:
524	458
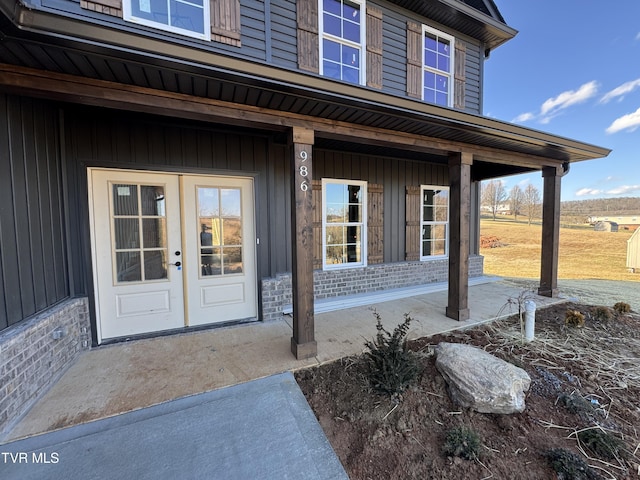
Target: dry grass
584	253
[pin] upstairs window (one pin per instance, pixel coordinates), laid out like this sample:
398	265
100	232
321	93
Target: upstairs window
344	223
186	17
342	40
434	222
437	67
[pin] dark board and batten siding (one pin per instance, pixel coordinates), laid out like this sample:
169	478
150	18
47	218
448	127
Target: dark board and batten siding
394	175
33	259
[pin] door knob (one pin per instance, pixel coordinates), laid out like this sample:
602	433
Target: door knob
177	264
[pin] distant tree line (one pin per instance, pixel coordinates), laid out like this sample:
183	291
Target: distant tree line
496	199
527	202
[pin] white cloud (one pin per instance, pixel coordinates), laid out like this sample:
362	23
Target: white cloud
571	97
523	117
624	189
552	107
621	91
588	191
629	122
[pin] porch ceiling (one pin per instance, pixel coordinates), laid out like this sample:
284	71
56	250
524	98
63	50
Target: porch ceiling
379	120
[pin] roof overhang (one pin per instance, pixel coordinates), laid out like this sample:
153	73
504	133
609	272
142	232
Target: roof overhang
461	17
42	58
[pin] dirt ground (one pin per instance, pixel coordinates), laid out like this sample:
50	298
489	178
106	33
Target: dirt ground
582	379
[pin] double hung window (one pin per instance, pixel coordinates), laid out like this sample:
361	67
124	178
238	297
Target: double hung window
434	222
342	40
344	223
437	67
186	17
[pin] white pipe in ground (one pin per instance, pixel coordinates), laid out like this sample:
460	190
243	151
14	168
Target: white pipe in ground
529	320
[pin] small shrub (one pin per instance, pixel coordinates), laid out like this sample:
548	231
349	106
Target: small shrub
392	366
602	444
602	314
462	442
574	318
569	466
575	403
622	307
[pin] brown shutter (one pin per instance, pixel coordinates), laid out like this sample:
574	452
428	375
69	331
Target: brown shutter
375	224
412	217
108	7
459	75
316	189
374	47
225	21
307	16
414	60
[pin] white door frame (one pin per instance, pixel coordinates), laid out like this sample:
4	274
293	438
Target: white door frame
188	273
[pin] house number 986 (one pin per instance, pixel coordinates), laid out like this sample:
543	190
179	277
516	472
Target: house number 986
304	171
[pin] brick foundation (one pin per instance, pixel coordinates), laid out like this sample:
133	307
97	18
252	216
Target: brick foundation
276	292
31	359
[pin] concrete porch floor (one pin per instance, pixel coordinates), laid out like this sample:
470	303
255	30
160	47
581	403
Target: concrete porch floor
118	378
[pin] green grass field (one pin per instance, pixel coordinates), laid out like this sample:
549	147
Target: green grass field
584	253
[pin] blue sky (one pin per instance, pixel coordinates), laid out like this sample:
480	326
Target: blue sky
573	70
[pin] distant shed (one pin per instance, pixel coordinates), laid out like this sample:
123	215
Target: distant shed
633	252
606	227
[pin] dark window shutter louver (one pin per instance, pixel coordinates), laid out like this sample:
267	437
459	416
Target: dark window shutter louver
374	47
414	60
307	18
225	21
412	217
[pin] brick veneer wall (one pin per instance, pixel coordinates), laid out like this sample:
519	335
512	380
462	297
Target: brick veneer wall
276	292
31	360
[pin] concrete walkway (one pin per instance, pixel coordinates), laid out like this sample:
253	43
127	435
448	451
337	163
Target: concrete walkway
262	429
119	378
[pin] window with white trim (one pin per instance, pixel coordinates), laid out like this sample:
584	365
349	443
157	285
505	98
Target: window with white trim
342	41
437	67
434	222
186	17
344	223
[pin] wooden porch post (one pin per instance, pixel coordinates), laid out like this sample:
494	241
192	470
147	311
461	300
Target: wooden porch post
550	231
303	344
459	234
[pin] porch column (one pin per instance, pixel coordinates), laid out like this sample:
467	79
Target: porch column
550	231
303	344
459	233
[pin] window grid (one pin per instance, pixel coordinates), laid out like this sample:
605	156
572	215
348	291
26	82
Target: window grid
434	222
342	43
344	226
185	17
437	71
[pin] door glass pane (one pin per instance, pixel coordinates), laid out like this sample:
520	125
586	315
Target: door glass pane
232	228
208	202
155	265
126	233
125	199
232	260
220	230
152	198
128	267
211	263
154	232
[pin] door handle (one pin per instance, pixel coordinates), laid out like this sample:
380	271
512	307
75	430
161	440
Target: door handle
177	264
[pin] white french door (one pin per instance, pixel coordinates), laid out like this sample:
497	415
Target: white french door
170	250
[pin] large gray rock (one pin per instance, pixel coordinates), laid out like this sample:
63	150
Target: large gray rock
480	381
